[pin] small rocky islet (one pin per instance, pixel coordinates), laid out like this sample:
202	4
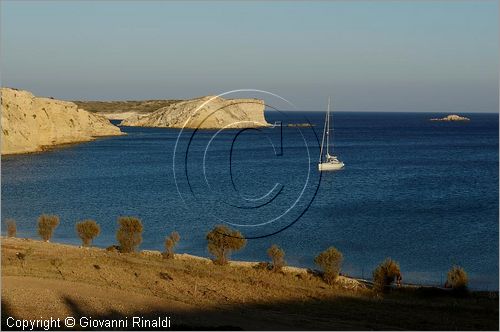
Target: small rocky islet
451	117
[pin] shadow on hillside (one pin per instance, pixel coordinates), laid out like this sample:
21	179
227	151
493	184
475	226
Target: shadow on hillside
340	313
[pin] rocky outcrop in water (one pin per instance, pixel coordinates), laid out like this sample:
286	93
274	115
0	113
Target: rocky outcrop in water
451	117
206	113
31	124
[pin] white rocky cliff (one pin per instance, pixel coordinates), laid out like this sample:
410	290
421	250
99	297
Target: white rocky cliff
204	113
451	117
31	124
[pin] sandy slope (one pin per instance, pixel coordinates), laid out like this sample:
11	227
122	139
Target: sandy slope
60	280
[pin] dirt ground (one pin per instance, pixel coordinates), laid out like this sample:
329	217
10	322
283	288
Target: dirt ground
54	280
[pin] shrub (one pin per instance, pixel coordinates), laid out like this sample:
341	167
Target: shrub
330	261
170	242
46	226
11	227
277	256
457	278
129	234
222	241
385	274
87	230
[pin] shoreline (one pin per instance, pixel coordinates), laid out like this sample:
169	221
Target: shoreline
185	256
57	146
41	279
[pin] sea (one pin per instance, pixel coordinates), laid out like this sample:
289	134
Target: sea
424	193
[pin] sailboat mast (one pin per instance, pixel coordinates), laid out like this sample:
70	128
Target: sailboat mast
323	139
328	128
331	163
330	124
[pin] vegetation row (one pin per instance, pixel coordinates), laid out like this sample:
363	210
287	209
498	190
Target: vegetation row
222	241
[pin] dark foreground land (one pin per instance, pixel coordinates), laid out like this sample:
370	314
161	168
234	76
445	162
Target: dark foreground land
45	279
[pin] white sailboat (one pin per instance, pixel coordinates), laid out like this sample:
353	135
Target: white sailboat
328	162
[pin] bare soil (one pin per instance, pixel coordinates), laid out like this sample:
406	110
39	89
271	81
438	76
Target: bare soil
54	280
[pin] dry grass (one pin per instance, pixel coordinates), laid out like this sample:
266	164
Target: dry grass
195	292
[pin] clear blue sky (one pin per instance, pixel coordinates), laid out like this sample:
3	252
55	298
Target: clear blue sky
370	55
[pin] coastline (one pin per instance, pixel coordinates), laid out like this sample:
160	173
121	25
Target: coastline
343	280
47	148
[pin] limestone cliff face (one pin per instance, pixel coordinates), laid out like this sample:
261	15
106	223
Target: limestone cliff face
205	113
31	123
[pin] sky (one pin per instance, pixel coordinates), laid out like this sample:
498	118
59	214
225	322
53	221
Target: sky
415	55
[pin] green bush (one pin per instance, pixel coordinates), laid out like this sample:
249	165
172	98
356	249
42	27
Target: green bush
11	227
170	242
46	226
87	230
330	261
277	256
129	234
222	241
385	274
457	278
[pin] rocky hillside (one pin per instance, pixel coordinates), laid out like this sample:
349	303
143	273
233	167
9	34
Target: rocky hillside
120	110
206	113
30	123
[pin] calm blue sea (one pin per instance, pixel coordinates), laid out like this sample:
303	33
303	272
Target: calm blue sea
424	193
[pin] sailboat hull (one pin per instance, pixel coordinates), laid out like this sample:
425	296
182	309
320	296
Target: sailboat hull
325	167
